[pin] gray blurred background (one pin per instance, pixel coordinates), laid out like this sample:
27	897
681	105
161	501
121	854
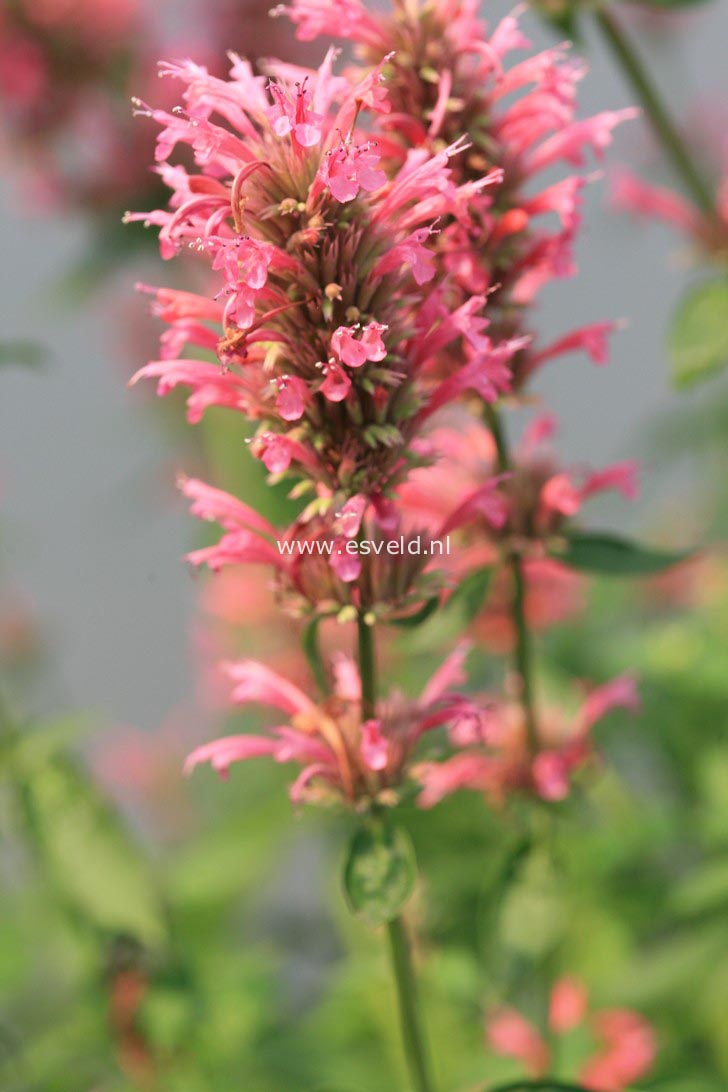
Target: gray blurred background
91	535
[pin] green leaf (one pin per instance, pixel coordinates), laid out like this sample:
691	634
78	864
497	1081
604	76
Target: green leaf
698	340
600	552
468	598
448	622
411	621
379	872
95	867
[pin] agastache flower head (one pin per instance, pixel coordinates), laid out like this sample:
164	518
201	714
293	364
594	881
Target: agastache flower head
328	316
344	756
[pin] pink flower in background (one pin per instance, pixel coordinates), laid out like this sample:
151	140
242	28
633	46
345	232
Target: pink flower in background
494	754
624	1043
705	225
645	199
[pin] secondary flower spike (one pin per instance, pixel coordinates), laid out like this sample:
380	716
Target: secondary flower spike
448	75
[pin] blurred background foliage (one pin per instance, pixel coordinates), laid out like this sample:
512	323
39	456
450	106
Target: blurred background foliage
188	937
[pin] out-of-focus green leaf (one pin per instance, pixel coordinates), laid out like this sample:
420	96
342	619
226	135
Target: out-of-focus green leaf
600	552
379	872
533	913
705	889
699	334
467	599
94	865
562	16
411	621
37	744
26	354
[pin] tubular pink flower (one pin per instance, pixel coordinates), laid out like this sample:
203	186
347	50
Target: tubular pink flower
629	193
254	682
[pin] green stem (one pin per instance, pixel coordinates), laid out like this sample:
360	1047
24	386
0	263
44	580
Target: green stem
656	112
523	651
367	668
412	1037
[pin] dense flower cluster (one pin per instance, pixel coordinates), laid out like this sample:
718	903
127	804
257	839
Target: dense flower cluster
370	268
448	76
330	319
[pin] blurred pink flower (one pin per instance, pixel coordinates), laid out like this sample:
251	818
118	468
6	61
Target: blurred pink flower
494	756
624	1042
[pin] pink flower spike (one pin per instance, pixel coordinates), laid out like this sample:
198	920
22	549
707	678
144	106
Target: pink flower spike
374	746
221	753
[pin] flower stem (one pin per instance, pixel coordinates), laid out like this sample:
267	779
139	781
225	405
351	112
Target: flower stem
367	668
523	650
401	958
412	1037
656	112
